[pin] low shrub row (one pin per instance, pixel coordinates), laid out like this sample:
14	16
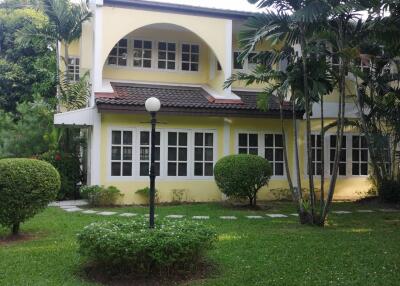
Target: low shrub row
99	196
132	246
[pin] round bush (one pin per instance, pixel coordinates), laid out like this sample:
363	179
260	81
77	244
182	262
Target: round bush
26	187
132	246
241	176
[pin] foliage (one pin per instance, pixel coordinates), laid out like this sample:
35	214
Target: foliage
242	176
25	133
26	187
68	166
101	196
145	193
123	246
25	69
74	94
389	190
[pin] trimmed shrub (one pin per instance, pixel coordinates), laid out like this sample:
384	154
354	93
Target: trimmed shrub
241	176
26	187
132	246
69	168
100	196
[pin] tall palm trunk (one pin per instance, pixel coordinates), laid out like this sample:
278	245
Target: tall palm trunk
322	193
308	122
340	128
58	75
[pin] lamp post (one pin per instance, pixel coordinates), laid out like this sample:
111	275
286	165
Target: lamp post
152	105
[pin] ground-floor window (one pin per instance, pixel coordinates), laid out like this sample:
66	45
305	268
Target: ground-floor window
248	143
342	155
274	152
359	156
174	152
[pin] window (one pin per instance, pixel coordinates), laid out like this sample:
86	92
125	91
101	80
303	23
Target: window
237	64
190	57
342	155
177	153
121	153
316	153
142	53
118	55
248	143
252	61
166	55
203	154
359	156
144	157
73	69
274	152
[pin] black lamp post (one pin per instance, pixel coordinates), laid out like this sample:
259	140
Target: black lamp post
152	105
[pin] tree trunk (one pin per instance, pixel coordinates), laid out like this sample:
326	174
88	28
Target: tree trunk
322	193
285	157
308	122
340	128
66	61
58	55
15	229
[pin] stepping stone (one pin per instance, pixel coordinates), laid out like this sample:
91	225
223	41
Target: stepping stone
200	217
294	214
68	207
254	216
228	217
341	212
106	213
389	210
174	216
128	214
276	215
365	211
89	212
147	215
74	209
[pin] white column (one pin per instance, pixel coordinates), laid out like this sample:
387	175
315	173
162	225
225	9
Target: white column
94	151
228	55
97	64
227	144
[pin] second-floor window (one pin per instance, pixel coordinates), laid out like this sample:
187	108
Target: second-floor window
166	56
190	57
73	69
142	51
119	54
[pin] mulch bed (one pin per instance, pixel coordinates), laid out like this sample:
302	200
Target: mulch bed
12	239
98	274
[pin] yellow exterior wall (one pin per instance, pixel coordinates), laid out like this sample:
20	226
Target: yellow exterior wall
119	22
206	190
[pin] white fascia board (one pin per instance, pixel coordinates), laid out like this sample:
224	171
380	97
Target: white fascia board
81	117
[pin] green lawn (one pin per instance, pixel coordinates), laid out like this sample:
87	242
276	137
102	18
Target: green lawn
354	249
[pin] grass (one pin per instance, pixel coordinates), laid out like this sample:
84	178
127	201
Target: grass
353	249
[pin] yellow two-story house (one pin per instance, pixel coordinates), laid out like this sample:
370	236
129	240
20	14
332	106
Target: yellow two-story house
182	55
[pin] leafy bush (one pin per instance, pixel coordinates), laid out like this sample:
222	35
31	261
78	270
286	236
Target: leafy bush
26	187
100	196
241	176
68	165
389	191
132	246
145	193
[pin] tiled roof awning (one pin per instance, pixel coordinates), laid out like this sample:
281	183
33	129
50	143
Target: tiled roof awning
130	98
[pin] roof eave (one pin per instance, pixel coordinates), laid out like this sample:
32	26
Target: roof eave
177	8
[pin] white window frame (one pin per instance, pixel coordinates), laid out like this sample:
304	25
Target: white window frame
166	55
359	162
181	61
137	151
128	48
203	147
248	147
246	66
163	154
110	145
261	145
74	75
349	144
131	53
346	149
274	148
